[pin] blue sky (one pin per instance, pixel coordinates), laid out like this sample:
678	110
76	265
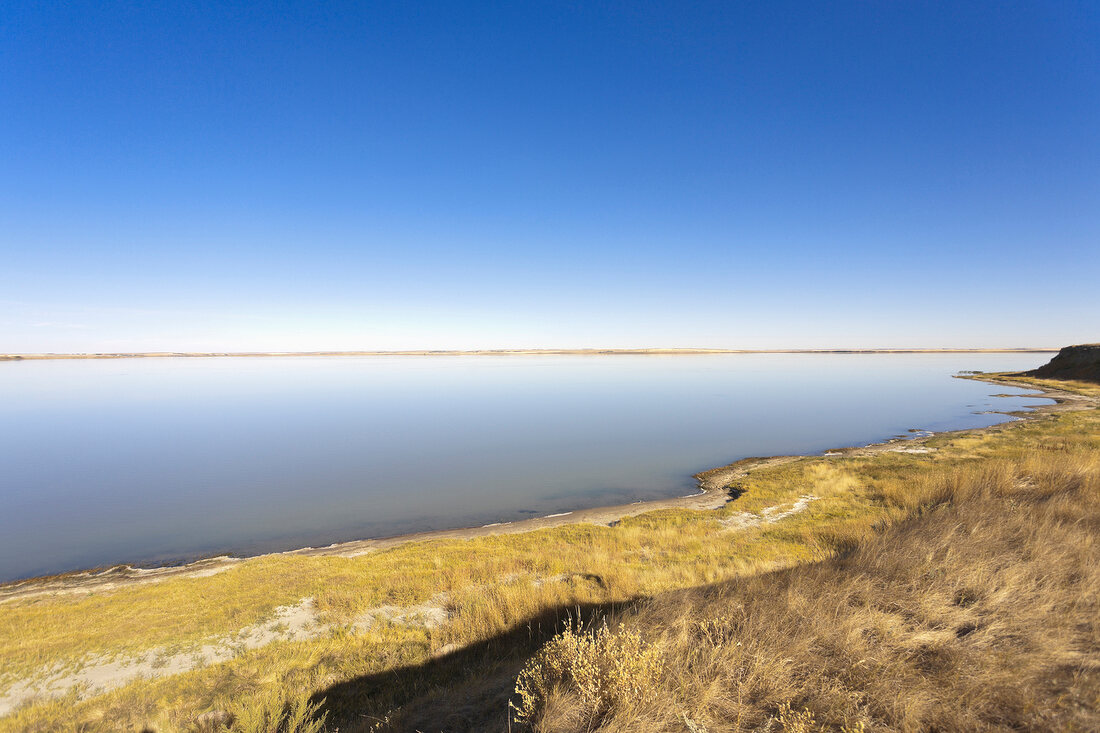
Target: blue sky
524	174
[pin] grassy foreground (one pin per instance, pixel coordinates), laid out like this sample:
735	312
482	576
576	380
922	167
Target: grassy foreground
953	589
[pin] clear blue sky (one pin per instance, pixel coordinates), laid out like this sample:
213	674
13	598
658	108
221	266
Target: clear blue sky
519	174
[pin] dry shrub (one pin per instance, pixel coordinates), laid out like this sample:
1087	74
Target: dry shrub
603	671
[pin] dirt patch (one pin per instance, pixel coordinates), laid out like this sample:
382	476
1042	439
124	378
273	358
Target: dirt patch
770	515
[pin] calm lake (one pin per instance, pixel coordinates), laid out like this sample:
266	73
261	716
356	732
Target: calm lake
147	461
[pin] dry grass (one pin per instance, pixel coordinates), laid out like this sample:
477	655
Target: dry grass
980	612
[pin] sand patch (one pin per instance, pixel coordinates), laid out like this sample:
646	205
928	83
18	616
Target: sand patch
770	515
299	622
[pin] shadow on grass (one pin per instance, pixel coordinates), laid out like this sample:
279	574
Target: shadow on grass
465	690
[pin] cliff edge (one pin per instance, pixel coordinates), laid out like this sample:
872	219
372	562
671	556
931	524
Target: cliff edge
1081	362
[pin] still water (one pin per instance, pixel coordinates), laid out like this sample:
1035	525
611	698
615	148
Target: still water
158	460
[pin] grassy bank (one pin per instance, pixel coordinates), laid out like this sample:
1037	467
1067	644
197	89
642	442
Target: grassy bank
496	600
979	613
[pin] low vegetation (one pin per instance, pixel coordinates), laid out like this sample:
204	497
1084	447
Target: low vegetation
979	613
952	589
603	670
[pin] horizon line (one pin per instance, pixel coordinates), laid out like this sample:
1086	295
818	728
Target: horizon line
513	352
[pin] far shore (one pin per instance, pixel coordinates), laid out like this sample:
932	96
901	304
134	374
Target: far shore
714	492
505	352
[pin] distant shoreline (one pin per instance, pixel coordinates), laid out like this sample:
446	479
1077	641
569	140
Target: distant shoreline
505	352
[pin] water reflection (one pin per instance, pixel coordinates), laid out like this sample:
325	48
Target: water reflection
155	460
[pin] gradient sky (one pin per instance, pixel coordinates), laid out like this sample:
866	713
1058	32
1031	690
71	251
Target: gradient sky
216	176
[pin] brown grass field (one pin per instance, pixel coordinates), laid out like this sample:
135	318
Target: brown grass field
980	612
949	590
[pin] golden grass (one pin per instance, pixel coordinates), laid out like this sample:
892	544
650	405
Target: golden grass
980	612
490	586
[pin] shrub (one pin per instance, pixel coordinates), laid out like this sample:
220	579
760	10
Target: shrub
604	670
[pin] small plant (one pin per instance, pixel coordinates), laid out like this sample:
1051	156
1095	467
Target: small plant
606	669
692	726
792	721
803	721
716	631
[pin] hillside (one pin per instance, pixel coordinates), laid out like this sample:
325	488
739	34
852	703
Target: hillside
1081	363
978	614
